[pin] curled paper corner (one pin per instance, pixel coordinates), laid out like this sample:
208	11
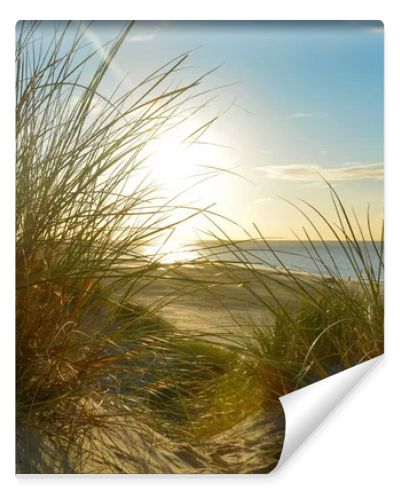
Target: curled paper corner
306	408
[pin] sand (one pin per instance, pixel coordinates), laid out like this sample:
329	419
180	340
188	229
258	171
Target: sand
209	297
205	298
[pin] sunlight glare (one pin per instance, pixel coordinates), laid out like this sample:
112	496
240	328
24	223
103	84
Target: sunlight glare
186	175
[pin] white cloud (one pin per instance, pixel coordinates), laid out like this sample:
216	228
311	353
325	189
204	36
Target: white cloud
311	172
377	29
143	32
140	38
306	115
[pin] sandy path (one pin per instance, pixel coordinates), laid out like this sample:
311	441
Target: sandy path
211	298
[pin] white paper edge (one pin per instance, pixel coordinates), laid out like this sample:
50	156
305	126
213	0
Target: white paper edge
306	408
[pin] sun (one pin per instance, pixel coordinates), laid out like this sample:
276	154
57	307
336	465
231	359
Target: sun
172	162
188	176
176	161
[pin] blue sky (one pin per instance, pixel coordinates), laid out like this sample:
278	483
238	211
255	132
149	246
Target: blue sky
329	76
306	100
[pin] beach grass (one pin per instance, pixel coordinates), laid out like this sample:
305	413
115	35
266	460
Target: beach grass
326	322
90	361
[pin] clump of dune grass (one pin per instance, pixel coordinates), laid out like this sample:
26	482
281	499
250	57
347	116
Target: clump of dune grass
330	322
102	383
338	322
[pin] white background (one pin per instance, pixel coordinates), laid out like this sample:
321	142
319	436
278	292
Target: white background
355	452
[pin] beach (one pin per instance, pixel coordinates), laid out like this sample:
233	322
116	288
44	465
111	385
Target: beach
212	297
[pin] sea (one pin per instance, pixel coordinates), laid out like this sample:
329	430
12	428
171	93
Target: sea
323	258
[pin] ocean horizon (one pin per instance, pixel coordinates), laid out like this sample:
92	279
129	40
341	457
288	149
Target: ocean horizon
328	258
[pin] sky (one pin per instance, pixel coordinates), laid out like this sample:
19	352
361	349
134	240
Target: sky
299	100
